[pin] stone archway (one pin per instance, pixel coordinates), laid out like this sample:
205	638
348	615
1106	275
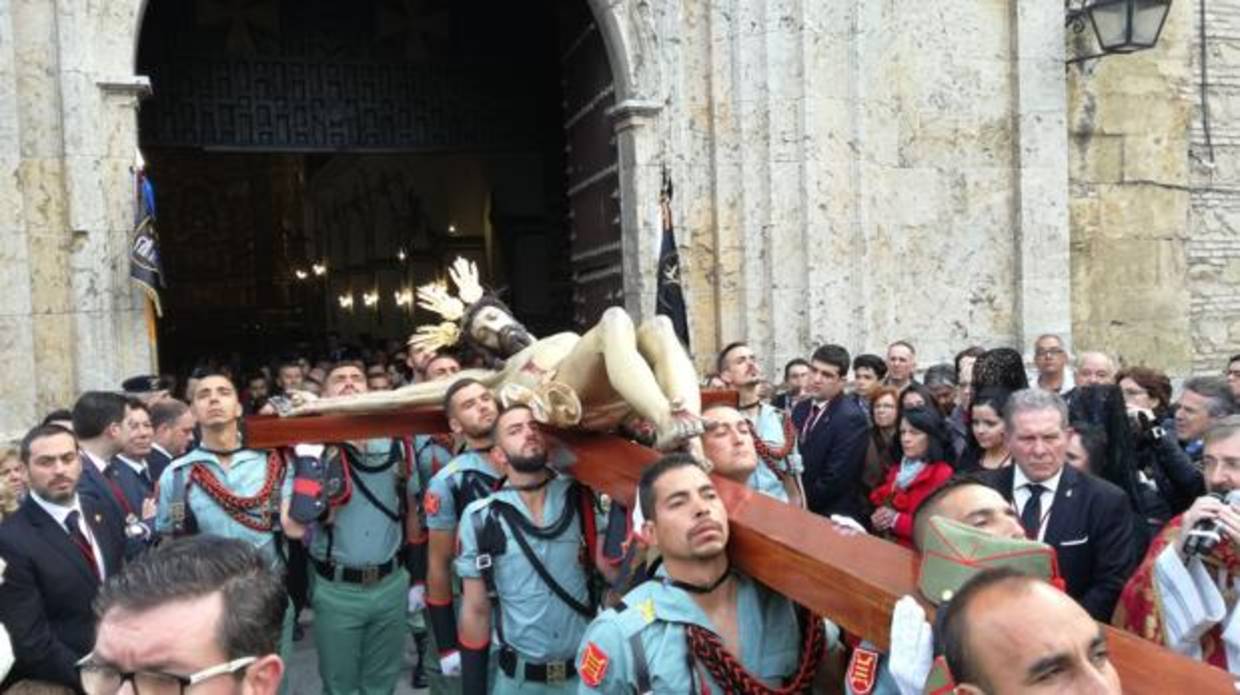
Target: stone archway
626	31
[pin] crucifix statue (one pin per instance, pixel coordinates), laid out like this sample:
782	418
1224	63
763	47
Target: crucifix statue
596	381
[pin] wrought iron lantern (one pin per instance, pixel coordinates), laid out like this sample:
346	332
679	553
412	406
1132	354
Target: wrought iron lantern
1122	26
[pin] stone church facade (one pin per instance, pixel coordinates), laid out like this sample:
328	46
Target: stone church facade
853	172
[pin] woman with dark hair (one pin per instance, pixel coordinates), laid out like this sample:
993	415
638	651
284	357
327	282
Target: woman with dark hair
1002	367
987	449
1147	395
1087	443
924	450
916	395
1146	389
1156	484
880	456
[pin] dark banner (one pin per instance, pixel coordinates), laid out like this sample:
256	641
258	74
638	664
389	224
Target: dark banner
670	301
145	267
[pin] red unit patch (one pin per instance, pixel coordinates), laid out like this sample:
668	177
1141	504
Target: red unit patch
593	665
863	671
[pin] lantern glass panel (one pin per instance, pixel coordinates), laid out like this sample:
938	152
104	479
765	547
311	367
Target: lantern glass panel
1147	20
1110	21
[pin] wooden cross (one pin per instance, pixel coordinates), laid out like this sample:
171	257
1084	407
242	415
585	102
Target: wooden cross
852	580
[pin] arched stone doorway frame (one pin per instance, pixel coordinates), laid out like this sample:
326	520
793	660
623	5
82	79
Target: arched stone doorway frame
628	33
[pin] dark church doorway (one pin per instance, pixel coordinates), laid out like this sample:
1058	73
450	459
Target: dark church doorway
316	160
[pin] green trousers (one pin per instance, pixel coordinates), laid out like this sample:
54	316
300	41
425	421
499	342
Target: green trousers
360	633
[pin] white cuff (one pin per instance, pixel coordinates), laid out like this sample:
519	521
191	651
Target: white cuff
1190	602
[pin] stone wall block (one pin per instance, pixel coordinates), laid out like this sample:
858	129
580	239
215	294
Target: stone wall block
1156	158
1143	212
1097	158
49	273
18	393
14	256
41	181
54	350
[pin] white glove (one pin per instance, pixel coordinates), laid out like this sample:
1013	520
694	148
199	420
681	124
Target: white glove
313	451
450	663
912	647
417	597
849	524
6	653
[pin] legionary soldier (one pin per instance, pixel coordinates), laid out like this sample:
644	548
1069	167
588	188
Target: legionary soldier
359	592
774	435
471	409
223	489
432	452
697	626
527	560
728	445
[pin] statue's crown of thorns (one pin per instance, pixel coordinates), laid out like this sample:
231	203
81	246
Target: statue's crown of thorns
436	297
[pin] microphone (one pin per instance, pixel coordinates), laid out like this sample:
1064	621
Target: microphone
1207	533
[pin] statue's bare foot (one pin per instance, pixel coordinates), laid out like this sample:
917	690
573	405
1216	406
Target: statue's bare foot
678	427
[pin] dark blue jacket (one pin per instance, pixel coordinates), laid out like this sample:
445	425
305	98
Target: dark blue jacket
833	453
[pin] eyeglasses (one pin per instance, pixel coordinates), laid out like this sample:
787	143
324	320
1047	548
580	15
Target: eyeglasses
103	679
1048	352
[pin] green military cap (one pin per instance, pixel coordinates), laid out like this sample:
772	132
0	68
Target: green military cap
953	552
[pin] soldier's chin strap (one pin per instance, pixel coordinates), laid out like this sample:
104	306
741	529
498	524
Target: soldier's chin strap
698	589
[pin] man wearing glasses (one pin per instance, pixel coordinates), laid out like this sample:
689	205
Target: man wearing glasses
199	615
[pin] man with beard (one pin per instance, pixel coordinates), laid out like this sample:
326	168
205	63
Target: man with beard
523	569
173	426
59	547
224	489
773	434
1183	595
359	594
471	409
728	444
698	625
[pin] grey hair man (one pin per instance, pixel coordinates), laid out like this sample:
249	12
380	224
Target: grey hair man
1204	400
202	611
1087	520
1093	368
1050	356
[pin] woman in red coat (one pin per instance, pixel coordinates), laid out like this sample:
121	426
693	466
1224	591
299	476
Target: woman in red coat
924	451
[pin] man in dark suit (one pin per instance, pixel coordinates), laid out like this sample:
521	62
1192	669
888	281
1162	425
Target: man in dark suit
129	468
174	428
59	546
1087	520
831	430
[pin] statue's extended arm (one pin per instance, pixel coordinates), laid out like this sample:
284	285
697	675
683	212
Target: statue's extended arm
422	393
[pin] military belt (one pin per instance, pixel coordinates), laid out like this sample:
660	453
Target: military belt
371	574
550	672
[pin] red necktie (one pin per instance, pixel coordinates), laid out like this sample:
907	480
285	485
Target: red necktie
815	412
83	544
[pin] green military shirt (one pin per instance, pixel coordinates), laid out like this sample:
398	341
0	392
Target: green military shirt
431	456
537	624
657	613
452	485
362	534
244	477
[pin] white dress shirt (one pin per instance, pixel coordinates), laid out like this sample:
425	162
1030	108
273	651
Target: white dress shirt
61	514
138	467
1021	495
